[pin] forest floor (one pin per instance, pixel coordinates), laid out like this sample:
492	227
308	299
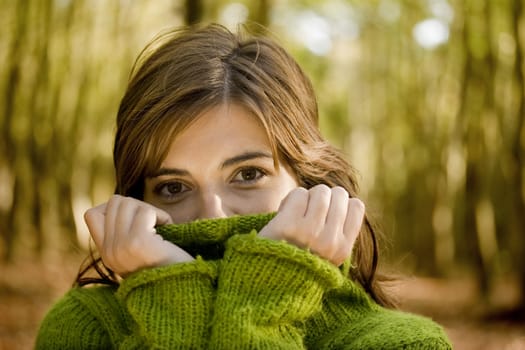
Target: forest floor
28	289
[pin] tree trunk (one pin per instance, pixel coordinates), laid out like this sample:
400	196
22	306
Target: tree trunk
194	12
517	185
9	142
474	93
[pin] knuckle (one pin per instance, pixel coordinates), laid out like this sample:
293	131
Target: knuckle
115	199
356	203
144	211
298	192
127	204
300	189
321	189
89	214
296	195
340	191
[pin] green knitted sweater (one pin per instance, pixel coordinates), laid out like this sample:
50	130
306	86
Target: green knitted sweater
241	292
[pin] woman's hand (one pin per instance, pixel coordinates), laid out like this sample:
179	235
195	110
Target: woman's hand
323	219
124	232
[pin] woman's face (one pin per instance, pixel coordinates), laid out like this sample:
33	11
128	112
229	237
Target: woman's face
222	165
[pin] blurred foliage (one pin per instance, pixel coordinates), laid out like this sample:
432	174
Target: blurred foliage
425	97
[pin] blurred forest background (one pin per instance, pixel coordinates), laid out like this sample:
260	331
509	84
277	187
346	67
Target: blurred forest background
426	97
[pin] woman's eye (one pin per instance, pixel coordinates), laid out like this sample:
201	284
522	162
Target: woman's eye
248	175
171	189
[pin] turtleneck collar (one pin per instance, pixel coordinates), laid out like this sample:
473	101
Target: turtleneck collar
207	237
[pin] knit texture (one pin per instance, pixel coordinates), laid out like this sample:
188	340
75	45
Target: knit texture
241	292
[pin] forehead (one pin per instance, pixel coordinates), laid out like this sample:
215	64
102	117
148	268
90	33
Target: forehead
218	132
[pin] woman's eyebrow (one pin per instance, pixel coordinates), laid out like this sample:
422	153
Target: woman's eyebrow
227	163
244	157
169	171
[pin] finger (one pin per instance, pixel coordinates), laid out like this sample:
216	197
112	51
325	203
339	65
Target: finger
138	238
145	242
124	224
111	215
336	216
332	234
354	219
143	221
133	204
291	210
295	202
126	211
134	221
352	227
316	212
95	221
162	217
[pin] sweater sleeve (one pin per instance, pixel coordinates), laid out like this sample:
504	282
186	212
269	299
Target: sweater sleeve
71	324
171	305
349	320
266	290
160	308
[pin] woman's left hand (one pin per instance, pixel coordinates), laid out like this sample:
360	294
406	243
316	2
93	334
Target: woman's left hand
322	219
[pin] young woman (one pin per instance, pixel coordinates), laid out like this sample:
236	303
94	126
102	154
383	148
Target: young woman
235	225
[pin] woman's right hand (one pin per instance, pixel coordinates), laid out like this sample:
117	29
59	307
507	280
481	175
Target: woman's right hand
124	232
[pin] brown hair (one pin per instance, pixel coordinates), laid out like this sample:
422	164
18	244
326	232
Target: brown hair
184	72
